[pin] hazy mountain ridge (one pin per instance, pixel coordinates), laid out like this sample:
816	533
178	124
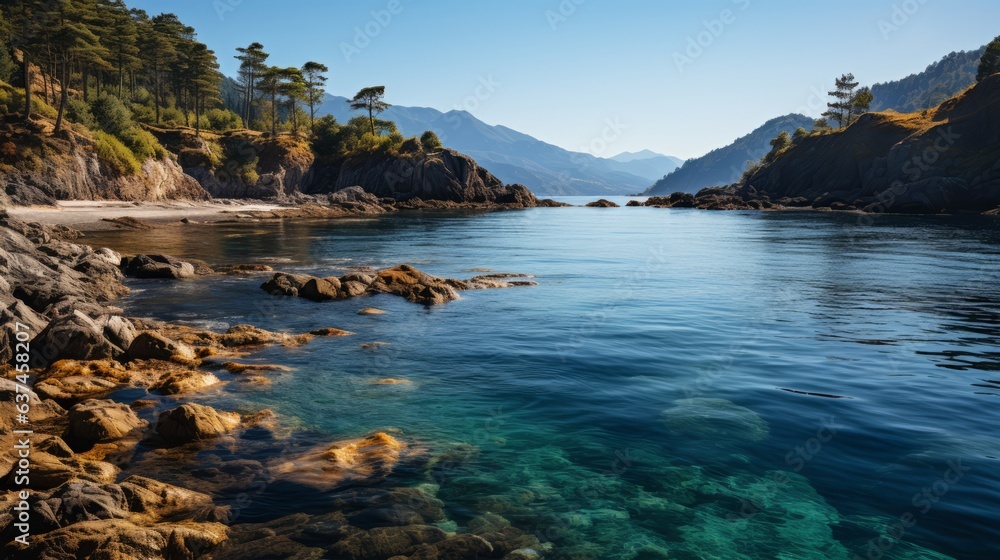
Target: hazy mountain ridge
725	165
516	157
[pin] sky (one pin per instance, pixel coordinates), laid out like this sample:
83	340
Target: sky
601	76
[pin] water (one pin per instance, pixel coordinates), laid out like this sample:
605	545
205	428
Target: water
681	384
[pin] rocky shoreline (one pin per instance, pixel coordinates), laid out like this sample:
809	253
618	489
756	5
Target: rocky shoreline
161	476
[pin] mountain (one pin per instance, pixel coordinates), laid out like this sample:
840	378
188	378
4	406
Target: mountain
941	80
516	157
647	164
726	165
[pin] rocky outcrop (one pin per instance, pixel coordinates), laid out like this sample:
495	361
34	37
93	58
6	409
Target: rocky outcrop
404	280
66	167
945	160
157	266
441	176
602	203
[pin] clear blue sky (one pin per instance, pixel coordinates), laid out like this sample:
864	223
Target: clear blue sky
561	70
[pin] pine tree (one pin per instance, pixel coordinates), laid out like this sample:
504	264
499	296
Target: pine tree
862	101
990	63
315	76
72	41
203	81
252	68
841	109
292	86
370	99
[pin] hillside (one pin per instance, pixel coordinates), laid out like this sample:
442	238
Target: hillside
944	160
725	165
940	81
516	157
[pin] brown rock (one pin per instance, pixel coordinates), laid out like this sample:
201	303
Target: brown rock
153	346
100	421
194	422
321	289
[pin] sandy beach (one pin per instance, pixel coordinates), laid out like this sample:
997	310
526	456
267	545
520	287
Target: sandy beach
92	215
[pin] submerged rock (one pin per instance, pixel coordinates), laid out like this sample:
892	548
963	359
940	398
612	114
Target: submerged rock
714	421
327	467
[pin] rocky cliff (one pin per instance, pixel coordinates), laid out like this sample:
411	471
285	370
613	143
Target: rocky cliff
39	169
944	160
445	175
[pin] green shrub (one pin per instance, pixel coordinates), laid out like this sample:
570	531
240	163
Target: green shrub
142	144
115	155
171	116
431	142
7	64
143	114
111	115
78	111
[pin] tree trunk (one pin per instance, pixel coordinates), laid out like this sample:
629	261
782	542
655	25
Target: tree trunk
86	90
156	94
371	117
62	96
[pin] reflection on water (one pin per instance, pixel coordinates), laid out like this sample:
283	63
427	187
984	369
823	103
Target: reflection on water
663	392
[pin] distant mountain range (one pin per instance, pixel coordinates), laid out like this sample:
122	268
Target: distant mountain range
725	165
516	157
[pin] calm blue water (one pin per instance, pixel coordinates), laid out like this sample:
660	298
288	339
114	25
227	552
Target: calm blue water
667	390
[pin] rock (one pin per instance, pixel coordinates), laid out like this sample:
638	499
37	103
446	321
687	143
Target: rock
74	388
602	203
321	289
386	542
549	203
100	421
285	284
75	337
239	269
49	471
194	422
119	539
371	311
414	285
153	346
156	266
184	380
443	176
331	332
158	501
327	467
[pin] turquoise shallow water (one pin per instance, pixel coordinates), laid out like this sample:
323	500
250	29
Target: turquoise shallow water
668	389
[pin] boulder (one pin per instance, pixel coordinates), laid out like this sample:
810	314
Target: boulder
194	422
602	203
414	285
100	421
286	284
78	337
153	346
156	266
321	289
